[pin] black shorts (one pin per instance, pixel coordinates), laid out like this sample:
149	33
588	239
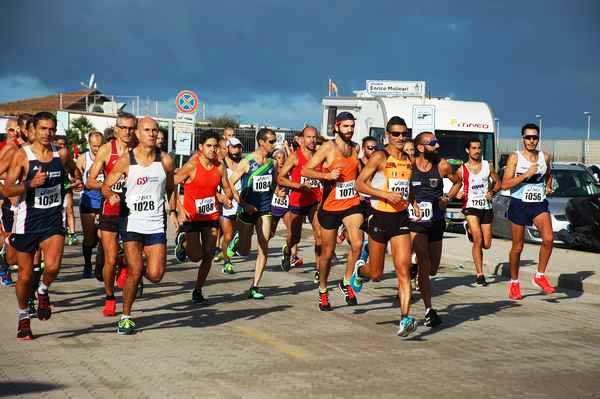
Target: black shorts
366	210
433	230
84	209
30	242
146	239
251	219
333	220
485	216
385	225
302	210
110	223
8	217
197	227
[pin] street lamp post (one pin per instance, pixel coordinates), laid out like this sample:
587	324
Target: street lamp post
588	115
540	119
497	120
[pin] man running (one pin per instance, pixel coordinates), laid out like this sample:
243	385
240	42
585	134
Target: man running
40	171
427	184
527	176
304	197
149	174
228	215
90	203
386	180
480	183
257	173
336	165
61	142
111	218
201	176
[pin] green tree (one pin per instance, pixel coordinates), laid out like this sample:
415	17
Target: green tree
224	121
78	132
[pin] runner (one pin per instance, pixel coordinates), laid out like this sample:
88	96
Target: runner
386	180
256	173
280	206
228	215
60	142
201	176
90	203
111	218
336	164
149	174
477	193
304	198
427	233
409	148
40	170
528	177
369	146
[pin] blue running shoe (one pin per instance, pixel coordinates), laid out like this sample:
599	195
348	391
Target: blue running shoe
6	279
364	253
408	324
356	281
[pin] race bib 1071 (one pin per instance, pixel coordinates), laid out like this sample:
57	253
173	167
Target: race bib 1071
345	190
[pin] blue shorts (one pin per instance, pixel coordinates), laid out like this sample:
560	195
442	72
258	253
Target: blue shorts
146	239
523	213
303	210
30	242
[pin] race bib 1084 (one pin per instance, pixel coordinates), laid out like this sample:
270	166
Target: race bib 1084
261	184
345	190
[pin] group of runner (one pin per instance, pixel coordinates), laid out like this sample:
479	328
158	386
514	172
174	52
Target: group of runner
389	199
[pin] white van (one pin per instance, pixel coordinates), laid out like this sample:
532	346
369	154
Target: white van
452	121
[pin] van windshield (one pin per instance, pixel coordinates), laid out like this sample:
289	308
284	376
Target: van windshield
452	145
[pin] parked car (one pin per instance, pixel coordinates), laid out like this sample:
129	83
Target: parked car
569	181
595	171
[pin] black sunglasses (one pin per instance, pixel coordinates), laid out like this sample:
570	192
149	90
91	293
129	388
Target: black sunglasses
272	141
371	147
531	137
396	134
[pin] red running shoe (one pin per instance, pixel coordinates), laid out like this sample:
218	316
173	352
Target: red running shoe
349	294
514	291
122	276
44	310
110	308
297	261
24	330
324	304
543	283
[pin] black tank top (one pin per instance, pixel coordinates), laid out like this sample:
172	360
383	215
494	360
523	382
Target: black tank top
428	188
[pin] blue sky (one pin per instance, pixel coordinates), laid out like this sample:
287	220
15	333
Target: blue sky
269	61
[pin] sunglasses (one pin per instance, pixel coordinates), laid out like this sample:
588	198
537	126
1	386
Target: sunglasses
11	129
432	142
272	141
531	137
371	147
397	134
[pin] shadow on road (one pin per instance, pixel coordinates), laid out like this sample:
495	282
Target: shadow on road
24	387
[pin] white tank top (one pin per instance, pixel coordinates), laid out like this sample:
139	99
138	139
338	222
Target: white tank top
88	165
234	205
534	188
475	186
145	196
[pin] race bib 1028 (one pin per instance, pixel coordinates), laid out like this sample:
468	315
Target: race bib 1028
145	203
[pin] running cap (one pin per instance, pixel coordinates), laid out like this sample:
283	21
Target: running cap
345	116
234	141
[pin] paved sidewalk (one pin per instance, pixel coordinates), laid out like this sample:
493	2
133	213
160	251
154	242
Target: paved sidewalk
283	347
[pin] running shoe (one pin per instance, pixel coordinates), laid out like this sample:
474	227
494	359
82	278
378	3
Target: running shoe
180	254
140	288
197	296
232	246
414	270
228	268
324	304
364	253
356	281
99	267
24	330
31	306
341	237
316	277
480	281
6	279
121	275
125	327
467	231
74	239
44	311
514	290
297	261
542	283
254	293
408	324
110	307
87	271
432	319
286	261
218	257
348	293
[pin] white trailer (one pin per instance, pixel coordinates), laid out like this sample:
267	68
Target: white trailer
452	121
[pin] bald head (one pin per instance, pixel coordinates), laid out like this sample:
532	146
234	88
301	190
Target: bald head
12	129
309	138
147	131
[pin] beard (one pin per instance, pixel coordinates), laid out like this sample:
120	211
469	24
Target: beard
432	157
236	157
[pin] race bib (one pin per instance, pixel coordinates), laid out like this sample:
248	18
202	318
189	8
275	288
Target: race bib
280	202
206	206
344	190
47	197
399	186
261	184
145	203
118	186
426	211
534	193
310	182
477	199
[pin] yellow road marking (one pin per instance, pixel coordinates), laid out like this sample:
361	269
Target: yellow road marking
268	340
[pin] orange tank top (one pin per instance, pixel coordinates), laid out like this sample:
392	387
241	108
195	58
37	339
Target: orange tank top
200	195
341	195
395	177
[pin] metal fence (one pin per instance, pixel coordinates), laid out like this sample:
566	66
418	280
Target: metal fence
561	150
248	136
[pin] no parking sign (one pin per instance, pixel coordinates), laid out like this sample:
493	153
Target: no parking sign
187	102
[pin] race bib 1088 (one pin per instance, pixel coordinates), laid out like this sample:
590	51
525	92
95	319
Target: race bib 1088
206	206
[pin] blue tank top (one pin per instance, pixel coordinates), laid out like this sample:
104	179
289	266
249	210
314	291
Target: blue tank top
40	209
428	188
258	184
91	199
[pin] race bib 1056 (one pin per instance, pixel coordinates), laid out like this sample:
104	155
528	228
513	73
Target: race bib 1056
534	193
